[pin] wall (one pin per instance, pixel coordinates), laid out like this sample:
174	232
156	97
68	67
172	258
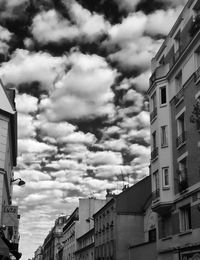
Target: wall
144	251
130	231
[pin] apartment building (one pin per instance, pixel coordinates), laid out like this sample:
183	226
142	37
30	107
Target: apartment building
174	95
52	241
9	218
120	223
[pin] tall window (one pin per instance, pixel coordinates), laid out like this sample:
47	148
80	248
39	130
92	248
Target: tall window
164	136
163	96
178	81
152	235
156	180
183	170
154	140
153	101
166	225
185	218
181	130
165	174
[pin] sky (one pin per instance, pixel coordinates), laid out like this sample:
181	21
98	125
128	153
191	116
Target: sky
81	70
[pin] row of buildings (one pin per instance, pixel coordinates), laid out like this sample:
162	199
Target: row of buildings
9	217
158	217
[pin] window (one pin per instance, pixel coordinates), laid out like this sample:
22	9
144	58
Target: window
163	96
165	174
178	81
166	225
152	235
154	140
164	136
181	133
185	218
156	180
153	101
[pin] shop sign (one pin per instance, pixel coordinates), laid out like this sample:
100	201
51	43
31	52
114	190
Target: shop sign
9	216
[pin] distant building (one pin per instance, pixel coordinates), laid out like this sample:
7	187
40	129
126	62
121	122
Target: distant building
38	254
120	223
174	95
52	242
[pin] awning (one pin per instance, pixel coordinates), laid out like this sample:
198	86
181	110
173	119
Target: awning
3	248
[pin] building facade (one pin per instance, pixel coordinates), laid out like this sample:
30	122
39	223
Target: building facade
8	156
174	95
52	242
120	223
85	246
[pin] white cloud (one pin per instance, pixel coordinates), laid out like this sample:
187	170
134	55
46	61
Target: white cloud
33	146
84	92
26	67
104	158
26	126
51	27
26	103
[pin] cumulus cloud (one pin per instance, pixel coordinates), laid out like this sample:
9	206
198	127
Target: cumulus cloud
26	126
104	158
51	27
33	146
26	103
82	92
27	67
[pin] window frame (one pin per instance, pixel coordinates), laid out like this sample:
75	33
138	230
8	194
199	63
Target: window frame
185	218
165	186
164	136
161	89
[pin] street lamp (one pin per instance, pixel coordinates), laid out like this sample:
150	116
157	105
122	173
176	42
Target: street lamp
20	183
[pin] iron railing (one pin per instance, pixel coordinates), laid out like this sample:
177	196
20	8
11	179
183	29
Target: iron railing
156	194
181	139
179	96
154	153
153	114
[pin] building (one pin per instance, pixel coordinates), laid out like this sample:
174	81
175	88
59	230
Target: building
85	246
38	254
67	252
52	242
147	247
174	94
78	231
120	223
8	155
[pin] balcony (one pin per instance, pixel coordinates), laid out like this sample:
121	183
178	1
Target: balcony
159	72
154	153
197	75
153	114
183	180
156	194
195	26
179	96
181	139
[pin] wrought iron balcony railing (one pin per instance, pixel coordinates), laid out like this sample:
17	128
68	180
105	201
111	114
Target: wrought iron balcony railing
181	139
197	75
154	153
153	114
183	180
156	194
179	96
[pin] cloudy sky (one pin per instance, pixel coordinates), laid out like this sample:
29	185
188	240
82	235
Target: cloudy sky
80	69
